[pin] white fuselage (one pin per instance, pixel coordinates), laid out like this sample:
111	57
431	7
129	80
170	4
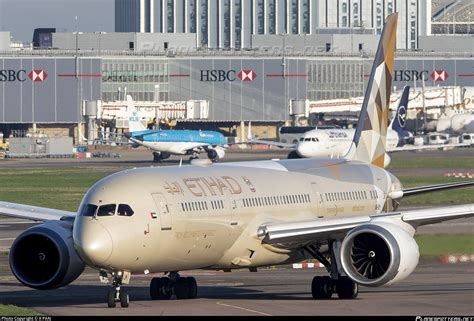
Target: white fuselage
333	142
175	148
196	217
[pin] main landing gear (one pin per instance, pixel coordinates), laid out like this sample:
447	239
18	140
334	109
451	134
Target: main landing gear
323	287
183	287
116	293
158	157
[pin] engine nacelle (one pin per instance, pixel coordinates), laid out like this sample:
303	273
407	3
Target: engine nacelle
379	253
216	153
43	257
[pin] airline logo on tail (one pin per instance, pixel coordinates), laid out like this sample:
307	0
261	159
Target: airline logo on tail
402	116
370	136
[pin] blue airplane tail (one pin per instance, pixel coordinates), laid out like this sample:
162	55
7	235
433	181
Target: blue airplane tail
399	121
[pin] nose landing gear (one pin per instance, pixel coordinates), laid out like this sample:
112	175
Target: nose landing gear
183	287
116	293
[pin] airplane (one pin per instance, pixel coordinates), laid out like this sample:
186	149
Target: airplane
241	215
165	143
335	142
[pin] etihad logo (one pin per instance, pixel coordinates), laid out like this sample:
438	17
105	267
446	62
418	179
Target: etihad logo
439	75
219	75
247	75
37	75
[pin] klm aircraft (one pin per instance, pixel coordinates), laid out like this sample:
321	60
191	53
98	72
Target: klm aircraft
165	143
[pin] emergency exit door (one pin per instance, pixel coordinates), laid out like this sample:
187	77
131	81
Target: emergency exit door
164	211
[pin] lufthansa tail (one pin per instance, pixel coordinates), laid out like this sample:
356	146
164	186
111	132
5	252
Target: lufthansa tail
369	144
398	122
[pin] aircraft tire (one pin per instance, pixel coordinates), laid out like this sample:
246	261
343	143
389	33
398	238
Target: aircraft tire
293	155
181	288
321	288
346	288
111	298
124	299
192	287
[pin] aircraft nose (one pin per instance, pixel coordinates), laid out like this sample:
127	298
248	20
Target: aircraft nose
93	242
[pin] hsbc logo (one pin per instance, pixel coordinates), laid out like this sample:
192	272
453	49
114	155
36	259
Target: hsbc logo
37	75
410	75
247	75
216	75
10	75
439	75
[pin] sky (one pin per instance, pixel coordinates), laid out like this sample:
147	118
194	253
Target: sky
21	17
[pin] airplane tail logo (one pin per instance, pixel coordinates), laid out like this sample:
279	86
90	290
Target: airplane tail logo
369	144
134	123
398	123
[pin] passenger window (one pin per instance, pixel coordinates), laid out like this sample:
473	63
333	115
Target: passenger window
106	210
124	210
89	210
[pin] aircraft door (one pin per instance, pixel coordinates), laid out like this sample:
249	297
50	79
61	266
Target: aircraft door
164	211
321	206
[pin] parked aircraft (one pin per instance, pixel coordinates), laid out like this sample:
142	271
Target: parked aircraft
165	143
335	142
342	212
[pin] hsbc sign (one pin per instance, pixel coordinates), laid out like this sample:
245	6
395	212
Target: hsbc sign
218	75
10	75
410	75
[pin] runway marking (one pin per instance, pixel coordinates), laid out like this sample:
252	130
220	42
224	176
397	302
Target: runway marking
8	239
242	308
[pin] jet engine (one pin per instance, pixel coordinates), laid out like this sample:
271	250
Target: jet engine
43	257
216	153
379	253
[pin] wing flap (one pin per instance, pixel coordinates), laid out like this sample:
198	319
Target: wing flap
33	213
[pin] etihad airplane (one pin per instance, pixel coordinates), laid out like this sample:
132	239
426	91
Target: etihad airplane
343	212
165	143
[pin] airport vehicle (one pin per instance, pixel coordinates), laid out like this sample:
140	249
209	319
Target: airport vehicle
468	138
165	143
342	212
438	138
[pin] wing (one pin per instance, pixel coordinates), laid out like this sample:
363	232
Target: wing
294	234
272	143
33	213
428	147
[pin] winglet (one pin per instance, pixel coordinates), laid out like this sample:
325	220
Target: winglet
369	144
399	121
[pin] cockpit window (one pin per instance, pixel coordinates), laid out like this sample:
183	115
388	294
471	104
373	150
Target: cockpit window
106	210
89	210
124	210
315	139
301	139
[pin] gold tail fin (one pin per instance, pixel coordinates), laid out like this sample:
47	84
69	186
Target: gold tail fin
370	136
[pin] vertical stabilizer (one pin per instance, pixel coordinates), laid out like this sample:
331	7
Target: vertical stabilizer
134	123
399	121
369	144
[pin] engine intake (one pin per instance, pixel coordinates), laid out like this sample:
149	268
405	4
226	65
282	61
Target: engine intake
379	254
43	257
